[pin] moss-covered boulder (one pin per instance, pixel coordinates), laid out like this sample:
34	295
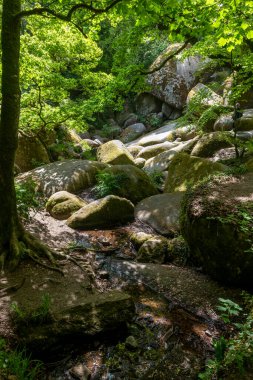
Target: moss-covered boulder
217	223
135	183
153	250
103	213
249	165
162	161
30	153
138	238
132	132
210	143
185	171
70	175
153	150
62	205
245	123
114	152
140	162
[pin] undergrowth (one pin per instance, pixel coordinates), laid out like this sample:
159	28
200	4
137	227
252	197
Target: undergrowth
16	364
109	183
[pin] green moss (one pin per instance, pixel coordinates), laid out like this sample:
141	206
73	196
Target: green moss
185	171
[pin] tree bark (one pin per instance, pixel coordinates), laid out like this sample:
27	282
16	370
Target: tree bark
10	227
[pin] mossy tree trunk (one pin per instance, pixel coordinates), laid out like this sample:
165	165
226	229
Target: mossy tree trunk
10	227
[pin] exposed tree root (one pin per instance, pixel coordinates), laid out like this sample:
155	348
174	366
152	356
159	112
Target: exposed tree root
11	289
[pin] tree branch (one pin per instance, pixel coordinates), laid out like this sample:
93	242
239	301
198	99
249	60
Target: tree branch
45	10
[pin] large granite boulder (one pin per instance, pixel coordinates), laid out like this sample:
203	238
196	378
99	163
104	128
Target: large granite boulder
210	143
30	153
103	213
114	152
147	103
162	161
158	136
161	212
54	308
153	250
70	175
207	97
153	150
185	171
136	184
133	131
245	123
217	222
175	78
62	205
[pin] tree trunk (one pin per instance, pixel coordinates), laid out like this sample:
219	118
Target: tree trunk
10	228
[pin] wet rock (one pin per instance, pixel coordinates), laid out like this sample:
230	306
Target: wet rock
103	213
70	175
114	152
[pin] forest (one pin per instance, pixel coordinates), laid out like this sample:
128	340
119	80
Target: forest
126	189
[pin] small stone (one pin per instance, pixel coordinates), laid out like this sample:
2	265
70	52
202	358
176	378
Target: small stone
131	342
208	333
80	372
104	275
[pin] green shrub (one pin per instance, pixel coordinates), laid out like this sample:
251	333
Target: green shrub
27	198
156	177
109	183
17	363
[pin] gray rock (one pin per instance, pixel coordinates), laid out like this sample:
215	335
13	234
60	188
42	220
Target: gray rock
132	119
208	96
161	212
173	81
70	175
140	162
147	103
160	135
210	143
132	132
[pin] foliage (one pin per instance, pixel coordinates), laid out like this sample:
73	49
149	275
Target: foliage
27	198
228	309
110	131
38	316
234	355
17	363
109	183
156	177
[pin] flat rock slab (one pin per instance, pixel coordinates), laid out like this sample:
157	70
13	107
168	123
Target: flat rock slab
76	308
161	212
183	287
70	175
